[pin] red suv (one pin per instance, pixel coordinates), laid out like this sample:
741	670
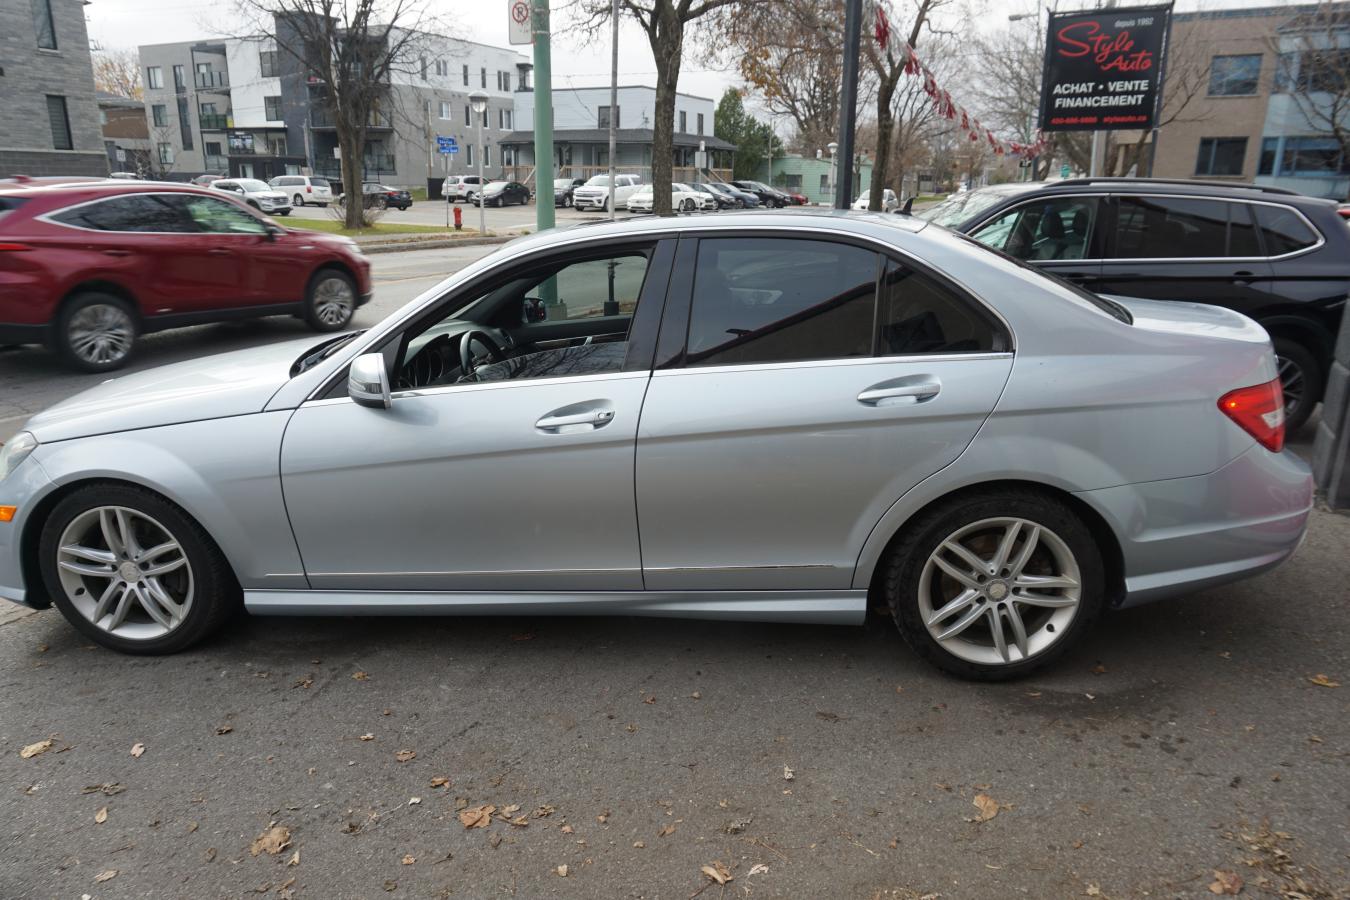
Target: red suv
86	266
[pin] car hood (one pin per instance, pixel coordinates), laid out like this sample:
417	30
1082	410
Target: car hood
229	384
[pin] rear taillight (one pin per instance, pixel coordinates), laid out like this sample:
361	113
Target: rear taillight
13	247
309	189
1259	411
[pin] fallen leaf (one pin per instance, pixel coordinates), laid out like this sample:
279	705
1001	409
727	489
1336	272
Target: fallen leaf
34	749
224	729
106	875
509	811
306	682
360	676
477	816
696	696
192	826
666	830
649	699
210	854
294	860
405	755
1324	681
788	774
390	886
717	872
109	789
409	859
414	801
758	869
440	781
43	648
567	829
544	811
1090	696
272	841
101	816
631	728
562	871
894	844
1229	883
1099	669
639	845
603	817
138	750
521	821
988	807
367	736
1093	891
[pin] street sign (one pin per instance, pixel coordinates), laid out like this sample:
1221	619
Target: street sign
446	145
520	32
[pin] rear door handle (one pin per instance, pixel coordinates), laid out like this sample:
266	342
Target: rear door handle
113	252
579	417
1244	277
217	251
902	391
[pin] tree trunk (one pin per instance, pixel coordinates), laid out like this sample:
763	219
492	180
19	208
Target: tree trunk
353	215
667	39
885	125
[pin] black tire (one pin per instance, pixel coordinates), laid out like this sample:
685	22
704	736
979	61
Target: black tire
319	313
283	212
567	200
62	337
902	569
298	200
254	204
1300	371
322	205
215	592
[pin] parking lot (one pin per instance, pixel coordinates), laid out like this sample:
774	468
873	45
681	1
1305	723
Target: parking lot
433	212
1182	746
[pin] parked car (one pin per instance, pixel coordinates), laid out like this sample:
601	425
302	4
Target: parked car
379	196
204	180
711	200
797	199
502	193
85	268
1274	255
304	189
461	187
125	176
562	190
1344	210
767	196
682	198
741	199
994	456
594	194
255	193
889	202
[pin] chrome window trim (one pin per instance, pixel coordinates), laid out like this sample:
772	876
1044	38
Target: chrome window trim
1321	238
47	216
844	361
491	386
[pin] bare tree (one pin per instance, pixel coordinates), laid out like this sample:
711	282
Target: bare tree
1314	53
350	49
664	22
118	72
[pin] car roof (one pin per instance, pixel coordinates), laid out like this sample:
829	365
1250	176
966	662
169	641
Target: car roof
102	187
1164	186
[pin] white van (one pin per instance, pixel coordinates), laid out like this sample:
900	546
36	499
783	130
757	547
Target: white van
304	190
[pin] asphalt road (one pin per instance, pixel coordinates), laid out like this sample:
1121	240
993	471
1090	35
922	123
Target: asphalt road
1182	739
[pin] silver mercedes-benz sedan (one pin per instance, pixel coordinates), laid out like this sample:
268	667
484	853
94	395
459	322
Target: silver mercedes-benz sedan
786	417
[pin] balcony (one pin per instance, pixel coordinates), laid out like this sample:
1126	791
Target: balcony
377	164
217	163
213	81
322	118
215	122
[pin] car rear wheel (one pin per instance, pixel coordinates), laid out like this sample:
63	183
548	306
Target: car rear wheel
567	200
298	200
95	332
1301	379
994	586
134	572
331	302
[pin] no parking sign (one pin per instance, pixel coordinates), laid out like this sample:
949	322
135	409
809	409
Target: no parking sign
520	21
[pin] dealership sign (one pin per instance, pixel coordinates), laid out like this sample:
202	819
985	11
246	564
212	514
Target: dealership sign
1104	69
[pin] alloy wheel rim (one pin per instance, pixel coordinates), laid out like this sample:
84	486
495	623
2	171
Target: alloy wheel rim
125	572
101	333
1293	381
999	591
333	301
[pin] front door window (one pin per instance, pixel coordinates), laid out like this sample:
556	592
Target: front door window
1050	229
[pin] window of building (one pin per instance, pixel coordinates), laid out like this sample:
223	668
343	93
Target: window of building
468	115
184	124
468	155
1314	71
759	300
204	79
212	148
267	63
1319	156
1269	148
442	68
276	145
482	78
793	182
684	122
424	68
272	108
1221	156
700	123
1170	227
445	109
466	75
159	115
1234	76
824	184
508	114
602	116
178	83
165	153
487	156
1283	229
506	81
154	77
499	79
60	123
45	23
485	118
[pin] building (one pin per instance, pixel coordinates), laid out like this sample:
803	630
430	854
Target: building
49	122
1242	122
240	107
126	138
581	135
815	178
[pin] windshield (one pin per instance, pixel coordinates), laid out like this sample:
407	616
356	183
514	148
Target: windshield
598	181
252	184
957	208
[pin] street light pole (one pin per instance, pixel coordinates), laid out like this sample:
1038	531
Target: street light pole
478	102
613	118
848	96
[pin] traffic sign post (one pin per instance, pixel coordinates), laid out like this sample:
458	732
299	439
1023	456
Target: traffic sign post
446	145
520	32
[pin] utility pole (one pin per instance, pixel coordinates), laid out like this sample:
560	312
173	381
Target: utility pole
848	113
543	116
613	118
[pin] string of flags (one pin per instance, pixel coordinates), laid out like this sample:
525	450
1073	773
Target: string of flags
950	109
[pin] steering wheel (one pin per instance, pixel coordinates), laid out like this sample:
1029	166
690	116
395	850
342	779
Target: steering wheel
466	366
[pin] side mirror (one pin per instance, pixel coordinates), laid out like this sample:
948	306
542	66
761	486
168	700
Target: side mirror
368	381
272	231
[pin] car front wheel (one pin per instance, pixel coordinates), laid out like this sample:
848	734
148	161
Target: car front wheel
331	301
1301	379
134	572
95	332
994	586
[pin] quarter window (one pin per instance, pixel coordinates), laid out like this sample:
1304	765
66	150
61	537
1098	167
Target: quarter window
762	300
1283	229
920	315
1057	228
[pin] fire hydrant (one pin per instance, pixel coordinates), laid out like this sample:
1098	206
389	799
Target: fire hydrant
459	219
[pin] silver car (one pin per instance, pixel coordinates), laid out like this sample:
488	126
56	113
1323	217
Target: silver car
761	416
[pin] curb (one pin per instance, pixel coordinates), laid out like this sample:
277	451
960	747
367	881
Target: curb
399	246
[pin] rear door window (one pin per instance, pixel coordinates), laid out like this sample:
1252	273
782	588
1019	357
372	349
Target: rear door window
1170	228
765	300
144	213
1283	229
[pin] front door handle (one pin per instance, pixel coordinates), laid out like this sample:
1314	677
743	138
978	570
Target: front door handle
1244	277
114	252
577	417
902	391
218	251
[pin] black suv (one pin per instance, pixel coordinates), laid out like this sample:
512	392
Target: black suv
1279	257
767	195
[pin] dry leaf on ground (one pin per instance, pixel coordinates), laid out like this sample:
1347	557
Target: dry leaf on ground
138	750
272	841
1093	891
717	872
440	781
988	807
294	860
34	749
1229	883
405	755
409	859
562	871
106	875
101	816
758	869
666	830
225	729
360	676
1324	681
477	816
788	774
368	736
